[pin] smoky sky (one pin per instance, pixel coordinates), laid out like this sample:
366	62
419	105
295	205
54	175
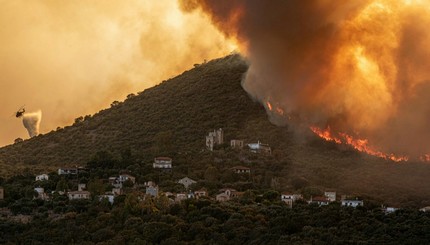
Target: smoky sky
73	58
360	67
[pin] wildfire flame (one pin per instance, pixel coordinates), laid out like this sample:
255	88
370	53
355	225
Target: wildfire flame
358	66
361	145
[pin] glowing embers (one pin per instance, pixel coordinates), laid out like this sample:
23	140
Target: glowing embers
361	145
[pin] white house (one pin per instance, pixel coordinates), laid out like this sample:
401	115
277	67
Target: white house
330	195
152	190
321	201
289	199
201	193
241	170
260	148
236	144
67	171
109	197
124	177
75	195
352	203
41	193
215	138
162	163
42	177
187	182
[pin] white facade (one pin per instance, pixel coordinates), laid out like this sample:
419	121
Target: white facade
330	195
352	203
75	195
162	163
66	171
109	197
236	144
42	177
215	138
260	148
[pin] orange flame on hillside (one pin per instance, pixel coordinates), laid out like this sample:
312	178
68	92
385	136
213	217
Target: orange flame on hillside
361	145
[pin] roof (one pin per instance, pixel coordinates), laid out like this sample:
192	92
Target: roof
186	178
78	192
241	168
320	199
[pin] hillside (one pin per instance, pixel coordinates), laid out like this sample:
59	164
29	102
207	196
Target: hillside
172	119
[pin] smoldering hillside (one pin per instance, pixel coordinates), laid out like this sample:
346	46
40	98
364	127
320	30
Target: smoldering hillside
172	119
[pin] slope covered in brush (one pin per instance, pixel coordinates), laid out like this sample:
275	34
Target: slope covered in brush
172	119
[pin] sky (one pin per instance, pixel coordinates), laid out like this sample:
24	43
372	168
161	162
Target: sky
73	58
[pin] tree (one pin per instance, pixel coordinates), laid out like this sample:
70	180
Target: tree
211	174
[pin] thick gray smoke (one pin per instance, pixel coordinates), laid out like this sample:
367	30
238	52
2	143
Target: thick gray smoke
31	122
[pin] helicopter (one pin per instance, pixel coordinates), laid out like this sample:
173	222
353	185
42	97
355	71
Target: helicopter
20	112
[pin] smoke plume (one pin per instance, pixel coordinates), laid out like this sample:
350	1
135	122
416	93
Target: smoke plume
73	58
356	67
31	122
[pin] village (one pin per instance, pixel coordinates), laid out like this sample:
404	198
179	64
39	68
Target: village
126	184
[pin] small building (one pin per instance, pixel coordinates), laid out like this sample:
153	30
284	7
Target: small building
227	194
180	197
352	203
110	197
42	177
82	187
320	200
260	148
330	195
241	170
215	138
41	193
187	182
236	144
76	195
162	163
222	197
289	199
124	177
389	210
201	193
425	209
1	193
67	171
152	190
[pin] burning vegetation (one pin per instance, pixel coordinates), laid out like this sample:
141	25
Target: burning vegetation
354	72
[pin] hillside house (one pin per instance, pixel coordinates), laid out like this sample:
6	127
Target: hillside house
162	163
67	171
110	197
425	209
76	195
82	187
1	193
180	197
260	148
201	193
330	195
152	190
187	182
42	177
289	199
41	193
124	177
227	194
352	203
320	200
236	144
241	170
215	138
